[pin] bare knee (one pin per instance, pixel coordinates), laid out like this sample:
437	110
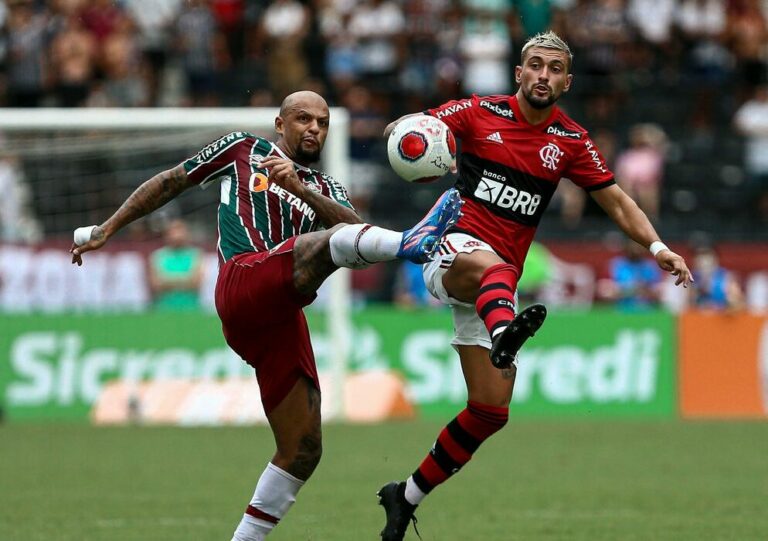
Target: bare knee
312	262
462	280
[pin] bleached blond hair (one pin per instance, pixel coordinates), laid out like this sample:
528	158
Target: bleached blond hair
547	40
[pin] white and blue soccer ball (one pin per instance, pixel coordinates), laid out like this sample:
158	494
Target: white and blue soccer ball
421	148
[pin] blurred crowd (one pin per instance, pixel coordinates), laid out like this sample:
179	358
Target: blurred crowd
382	58
235	52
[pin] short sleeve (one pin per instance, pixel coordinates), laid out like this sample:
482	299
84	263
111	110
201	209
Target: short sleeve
337	192
212	161
588	169
456	114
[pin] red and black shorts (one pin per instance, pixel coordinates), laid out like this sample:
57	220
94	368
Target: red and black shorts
263	322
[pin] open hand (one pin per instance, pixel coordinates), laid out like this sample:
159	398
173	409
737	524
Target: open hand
675	265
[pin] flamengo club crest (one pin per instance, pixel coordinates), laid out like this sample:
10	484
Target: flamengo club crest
550	155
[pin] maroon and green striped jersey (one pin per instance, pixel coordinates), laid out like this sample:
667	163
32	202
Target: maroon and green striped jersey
254	214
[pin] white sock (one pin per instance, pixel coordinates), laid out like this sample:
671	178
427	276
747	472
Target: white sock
413	493
251	529
357	246
274	495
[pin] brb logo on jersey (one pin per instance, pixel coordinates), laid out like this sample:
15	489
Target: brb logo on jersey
505	196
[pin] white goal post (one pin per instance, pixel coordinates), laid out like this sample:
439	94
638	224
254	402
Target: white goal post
335	160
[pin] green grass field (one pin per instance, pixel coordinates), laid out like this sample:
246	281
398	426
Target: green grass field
612	480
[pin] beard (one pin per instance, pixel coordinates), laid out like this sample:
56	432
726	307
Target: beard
539	103
307	156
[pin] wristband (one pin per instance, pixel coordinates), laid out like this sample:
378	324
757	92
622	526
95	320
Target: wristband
657	246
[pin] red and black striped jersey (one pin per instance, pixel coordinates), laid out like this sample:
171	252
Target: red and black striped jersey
254	214
509	169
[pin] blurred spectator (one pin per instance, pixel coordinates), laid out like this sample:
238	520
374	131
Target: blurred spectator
640	168
27	65
448	67
230	15
154	20
756	292
417	74
366	124
752	121
102	18
715	287
485	48
702	24
378	27
600	35
746	34
286	24
535	16
73	62
200	45
410	290
16	221
176	270
652	19
342	60
123	84
634	282
706	62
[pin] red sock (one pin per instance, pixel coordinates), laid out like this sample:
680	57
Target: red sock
496	301
457	442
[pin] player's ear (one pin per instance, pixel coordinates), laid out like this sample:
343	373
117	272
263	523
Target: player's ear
279	125
518	74
568	81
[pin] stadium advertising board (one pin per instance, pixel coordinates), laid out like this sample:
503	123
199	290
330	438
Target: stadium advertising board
597	363
580	363
723	365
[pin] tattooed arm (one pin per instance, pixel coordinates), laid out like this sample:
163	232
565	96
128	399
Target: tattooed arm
151	195
329	211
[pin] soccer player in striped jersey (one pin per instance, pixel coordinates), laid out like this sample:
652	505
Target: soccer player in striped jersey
273	257
515	150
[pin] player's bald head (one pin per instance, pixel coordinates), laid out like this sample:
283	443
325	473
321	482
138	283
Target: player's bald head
302	99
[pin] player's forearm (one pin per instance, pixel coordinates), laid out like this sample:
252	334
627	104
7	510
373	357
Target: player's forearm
151	195
329	212
633	222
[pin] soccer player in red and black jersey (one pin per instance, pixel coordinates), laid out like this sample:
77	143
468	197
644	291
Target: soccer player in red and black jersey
272	261
515	150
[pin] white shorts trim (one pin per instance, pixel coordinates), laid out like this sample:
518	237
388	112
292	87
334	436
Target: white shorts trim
469	329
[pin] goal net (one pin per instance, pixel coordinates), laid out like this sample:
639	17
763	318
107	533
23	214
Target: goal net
68	168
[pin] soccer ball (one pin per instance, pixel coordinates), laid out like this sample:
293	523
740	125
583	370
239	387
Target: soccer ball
421	149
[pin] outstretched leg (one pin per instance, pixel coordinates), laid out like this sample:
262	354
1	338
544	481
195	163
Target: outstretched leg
317	255
295	423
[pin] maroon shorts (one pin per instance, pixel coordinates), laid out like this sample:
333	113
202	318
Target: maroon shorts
263	322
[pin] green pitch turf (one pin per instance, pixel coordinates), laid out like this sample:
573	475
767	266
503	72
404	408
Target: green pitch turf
578	480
